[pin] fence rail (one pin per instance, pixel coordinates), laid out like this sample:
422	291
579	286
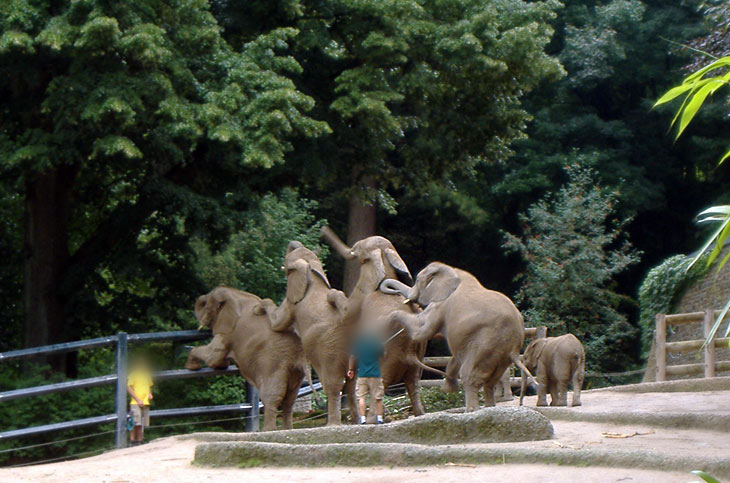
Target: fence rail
119	417
709	367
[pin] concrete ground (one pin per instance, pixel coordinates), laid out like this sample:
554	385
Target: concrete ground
615	436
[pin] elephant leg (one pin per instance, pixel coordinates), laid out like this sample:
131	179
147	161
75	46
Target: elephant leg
471	391
578	377
542	381
504	389
561	390
270	410
489	398
451	383
412	384
214	354
420	327
334	398
349	390
287	407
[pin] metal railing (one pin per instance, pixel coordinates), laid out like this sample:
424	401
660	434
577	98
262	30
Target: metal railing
250	408
709	367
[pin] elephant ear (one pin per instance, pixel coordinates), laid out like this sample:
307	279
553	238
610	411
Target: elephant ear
534	351
298	280
225	311
316	267
376	258
399	265
441	283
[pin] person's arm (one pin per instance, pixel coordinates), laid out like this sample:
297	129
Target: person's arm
134	396
351	368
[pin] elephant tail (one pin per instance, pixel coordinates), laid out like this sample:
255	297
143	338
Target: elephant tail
317	398
423	366
525	373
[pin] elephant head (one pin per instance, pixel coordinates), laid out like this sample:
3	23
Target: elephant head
533	352
532	355
218	310
303	268
378	260
434	283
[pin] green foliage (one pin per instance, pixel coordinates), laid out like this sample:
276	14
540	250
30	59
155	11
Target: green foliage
574	246
706	477
252	258
660	290
434	399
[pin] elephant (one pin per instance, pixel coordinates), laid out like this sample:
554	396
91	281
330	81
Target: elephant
557	360
311	308
483	328
272	361
366	306
503	390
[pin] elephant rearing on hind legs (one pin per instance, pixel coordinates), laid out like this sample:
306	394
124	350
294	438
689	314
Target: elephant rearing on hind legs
310	307
483	328
272	361
366	306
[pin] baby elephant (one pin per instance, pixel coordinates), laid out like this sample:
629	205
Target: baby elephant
557	360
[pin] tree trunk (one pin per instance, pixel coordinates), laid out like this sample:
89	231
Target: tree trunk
47	203
360	224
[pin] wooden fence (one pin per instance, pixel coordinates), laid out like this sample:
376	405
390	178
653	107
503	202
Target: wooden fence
709	367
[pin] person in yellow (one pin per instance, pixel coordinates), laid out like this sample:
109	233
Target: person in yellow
139	386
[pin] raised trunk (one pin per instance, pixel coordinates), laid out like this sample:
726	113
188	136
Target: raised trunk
360	224
46	257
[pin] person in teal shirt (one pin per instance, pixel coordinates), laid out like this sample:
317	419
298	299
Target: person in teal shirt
366	353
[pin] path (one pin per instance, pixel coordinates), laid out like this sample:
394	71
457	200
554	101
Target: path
168	459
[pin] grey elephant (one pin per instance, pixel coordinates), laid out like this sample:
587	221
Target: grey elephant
483	328
366	306
325	338
503	390
556	361
272	361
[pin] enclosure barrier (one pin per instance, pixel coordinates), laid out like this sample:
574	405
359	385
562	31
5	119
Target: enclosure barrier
250	408
709	366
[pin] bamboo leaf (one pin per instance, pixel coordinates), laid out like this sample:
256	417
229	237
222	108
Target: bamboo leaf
673	93
718	64
716	325
705	476
694	104
727	155
719	243
708	243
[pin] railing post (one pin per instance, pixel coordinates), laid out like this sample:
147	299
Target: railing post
121	396
252	398
709	348
661	347
541	332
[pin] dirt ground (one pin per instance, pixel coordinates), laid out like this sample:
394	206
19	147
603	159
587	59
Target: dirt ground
169	459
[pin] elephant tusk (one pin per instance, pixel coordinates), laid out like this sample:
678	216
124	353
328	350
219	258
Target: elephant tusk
201	327
282	267
406	301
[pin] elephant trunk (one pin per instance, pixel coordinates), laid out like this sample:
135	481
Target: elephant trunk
394	287
335	242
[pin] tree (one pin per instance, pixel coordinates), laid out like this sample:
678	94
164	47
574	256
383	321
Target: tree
126	122
573	247
253	257
413	91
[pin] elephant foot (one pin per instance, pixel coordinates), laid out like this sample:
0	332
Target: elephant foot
193	365
451	385
505	398
576	403
542	403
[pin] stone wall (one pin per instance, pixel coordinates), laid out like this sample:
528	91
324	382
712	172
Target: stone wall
712	292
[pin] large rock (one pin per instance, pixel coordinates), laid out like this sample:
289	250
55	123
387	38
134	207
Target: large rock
490	425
